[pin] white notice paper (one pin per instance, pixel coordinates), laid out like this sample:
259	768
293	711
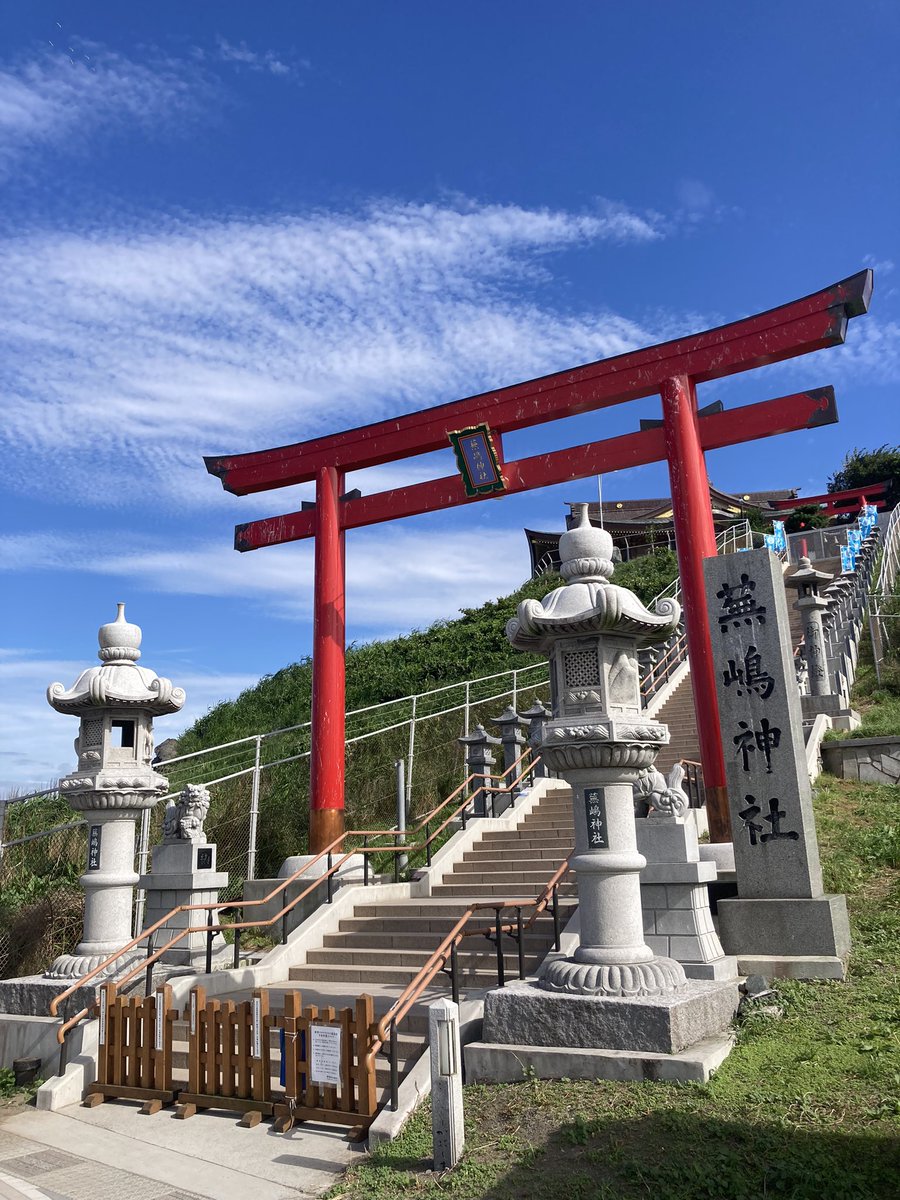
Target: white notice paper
325	1053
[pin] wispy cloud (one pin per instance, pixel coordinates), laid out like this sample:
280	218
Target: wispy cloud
36	746
881	266
199	337
63	97
397	575
267	61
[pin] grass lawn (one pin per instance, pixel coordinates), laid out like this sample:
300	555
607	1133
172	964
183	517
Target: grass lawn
806	1107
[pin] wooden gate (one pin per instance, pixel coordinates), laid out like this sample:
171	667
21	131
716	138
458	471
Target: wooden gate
229	1060
135	1056
324	1070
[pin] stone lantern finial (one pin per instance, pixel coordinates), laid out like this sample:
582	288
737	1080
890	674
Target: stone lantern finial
120	641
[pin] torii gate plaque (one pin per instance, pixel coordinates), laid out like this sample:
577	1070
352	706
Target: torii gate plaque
671	369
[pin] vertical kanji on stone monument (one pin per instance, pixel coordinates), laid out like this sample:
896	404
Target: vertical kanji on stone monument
781	912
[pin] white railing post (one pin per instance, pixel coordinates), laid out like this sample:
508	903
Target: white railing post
402	806
254	814
143	862
410	754
468	704
515	688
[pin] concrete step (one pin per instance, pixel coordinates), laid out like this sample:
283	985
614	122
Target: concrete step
497	889
474	953
432	910
400	975
515	853
528	840
366	939
400	927
510	874
511	861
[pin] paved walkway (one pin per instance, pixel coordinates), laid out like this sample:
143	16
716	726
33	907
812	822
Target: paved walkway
113	1153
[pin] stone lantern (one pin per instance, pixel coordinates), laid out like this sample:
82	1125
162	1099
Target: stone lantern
113	783
813	602
600	741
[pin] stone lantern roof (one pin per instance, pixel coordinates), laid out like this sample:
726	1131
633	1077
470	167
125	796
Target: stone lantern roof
119	682
588	603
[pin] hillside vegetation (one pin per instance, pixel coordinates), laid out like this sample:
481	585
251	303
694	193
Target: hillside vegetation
471	645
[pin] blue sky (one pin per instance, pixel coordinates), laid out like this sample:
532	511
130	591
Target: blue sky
227	226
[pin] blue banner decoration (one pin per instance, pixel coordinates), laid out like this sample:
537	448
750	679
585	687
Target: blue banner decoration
778	534
846	559
770	541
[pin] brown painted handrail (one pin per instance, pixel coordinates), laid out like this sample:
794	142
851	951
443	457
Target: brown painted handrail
438	959
224	904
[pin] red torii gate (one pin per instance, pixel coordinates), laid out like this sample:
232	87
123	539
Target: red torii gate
671	369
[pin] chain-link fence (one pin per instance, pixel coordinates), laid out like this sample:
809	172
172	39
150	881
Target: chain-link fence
42	855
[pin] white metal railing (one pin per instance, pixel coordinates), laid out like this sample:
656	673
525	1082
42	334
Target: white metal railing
884	598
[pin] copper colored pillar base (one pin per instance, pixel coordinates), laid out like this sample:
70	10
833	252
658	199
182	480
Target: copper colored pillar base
325	826
717	814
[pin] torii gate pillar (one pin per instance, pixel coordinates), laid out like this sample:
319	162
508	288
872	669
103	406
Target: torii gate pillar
695	539
326	763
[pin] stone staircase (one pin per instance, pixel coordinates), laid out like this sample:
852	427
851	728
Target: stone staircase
380	948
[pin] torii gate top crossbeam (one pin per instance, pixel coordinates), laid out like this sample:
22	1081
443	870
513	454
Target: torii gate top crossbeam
816	321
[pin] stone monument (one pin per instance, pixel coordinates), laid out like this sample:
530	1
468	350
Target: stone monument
613	991
782	922
112	784
184	872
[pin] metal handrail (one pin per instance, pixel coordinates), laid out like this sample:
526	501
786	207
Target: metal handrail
326	878
437	961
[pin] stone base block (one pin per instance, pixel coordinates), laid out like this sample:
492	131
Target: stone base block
725	967
832	706
489	1063
785	928
522	1014
797	967
30	996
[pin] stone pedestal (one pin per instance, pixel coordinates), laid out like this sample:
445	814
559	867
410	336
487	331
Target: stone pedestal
675	897
183	872
522	1014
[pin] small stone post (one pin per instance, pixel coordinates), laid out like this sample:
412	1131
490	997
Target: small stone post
536	716
514	743
113	783
447	1121
812	604
480	761
512	738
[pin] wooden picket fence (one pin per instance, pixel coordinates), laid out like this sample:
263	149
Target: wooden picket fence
229	1057
135	1058
320	1056
324	1070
